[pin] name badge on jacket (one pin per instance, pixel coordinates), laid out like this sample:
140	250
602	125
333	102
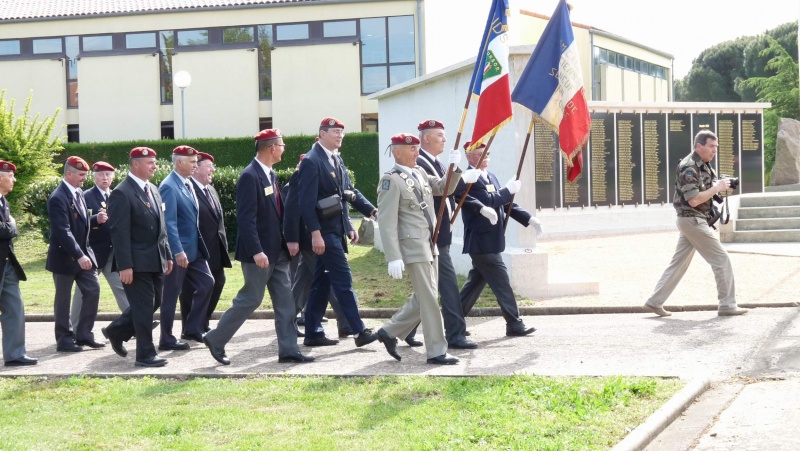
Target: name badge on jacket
267	190
490	188
163	206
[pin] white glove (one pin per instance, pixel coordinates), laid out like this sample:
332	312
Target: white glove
489	214
396	268
513	186
536	225
471	175
455	157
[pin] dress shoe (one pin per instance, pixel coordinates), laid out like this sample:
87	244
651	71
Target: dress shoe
151	362
300	321
390	343
657	310
736	311
366	337
300	333
156	323
69	347
520	330
413	342
467	333
116	345
295	358
22	361
192	337
90	343
320	340
444	359
217	352
346	333
323	320
462	344
177	346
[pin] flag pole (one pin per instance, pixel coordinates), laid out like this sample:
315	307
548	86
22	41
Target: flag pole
519	171
469	185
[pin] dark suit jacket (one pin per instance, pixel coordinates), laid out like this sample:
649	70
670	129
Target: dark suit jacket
180	216
8	231
212	228
259	225
294	229
480	236
69	233
361	203
99	235
318	180
138	233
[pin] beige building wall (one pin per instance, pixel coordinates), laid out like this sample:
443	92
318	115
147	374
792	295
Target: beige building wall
222	99
308	93
119	98
18	78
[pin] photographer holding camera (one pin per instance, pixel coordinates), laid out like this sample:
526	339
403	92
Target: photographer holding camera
695	187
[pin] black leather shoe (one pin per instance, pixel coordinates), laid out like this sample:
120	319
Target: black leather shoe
151	362
444	359
519	331
321	340
462	344
116	345
22	361
346	333
177	346
69	347
192	337
295	358
413	342
90	343
156	323
301	334
323	320
217	352
390	343
366	337
467	333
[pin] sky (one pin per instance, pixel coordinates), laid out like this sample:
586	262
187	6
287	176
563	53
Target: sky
682	28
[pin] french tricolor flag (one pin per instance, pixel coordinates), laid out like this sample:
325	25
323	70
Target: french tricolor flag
552	87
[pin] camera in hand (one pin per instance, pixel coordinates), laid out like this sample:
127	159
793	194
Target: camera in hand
734	181
350	196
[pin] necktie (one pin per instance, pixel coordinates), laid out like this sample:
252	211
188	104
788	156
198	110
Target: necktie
277	192
79	203
191	192
211	201
150	199
4	206
105	197
440	166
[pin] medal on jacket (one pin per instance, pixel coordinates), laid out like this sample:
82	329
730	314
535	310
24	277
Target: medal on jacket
103	204
333	174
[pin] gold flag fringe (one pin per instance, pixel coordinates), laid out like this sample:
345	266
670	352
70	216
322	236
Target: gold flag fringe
491	132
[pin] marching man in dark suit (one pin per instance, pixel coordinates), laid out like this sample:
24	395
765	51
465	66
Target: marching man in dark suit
324	209
71	259
261	248
407	221
96	199
12	309
212	230
484	241
141	255
181	215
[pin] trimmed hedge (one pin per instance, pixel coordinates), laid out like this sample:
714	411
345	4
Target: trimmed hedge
360	152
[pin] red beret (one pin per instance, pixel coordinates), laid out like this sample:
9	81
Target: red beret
330	122
201	156
405	139
78	163
429	124
142	152
5	166
469	143
102	166
269	133
184	151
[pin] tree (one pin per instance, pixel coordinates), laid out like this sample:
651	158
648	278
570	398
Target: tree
28	143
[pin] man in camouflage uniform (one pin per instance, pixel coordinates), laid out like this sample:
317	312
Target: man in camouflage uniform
694	190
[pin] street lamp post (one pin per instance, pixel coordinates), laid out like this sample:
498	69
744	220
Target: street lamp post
182	80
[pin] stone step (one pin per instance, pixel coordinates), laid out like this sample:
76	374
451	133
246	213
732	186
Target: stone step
768	224
766	236
770	200
769	212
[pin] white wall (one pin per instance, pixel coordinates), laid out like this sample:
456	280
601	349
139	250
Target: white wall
119	98
48	76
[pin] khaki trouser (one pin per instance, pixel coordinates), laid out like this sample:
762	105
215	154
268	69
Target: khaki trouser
422	306
697	235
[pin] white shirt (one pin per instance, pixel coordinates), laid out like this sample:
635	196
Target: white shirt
140	182
329	153
267	170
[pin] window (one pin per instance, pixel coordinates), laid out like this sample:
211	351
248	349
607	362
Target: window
49	45
401	39
190	38
264	123
612	58
140	40
265	61
168	130
399	74
73	133
373	79
9	47
338	29
166	45
603	56
291	32
373	41
97	43
72	50
388	52
238	35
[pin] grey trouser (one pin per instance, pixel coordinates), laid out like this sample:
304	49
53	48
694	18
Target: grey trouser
112	277
12	315
301	286
421	306
490	268
697	235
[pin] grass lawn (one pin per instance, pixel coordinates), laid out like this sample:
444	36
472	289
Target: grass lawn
371	281
322	413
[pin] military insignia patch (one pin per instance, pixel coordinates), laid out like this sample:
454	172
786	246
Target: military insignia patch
385	185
